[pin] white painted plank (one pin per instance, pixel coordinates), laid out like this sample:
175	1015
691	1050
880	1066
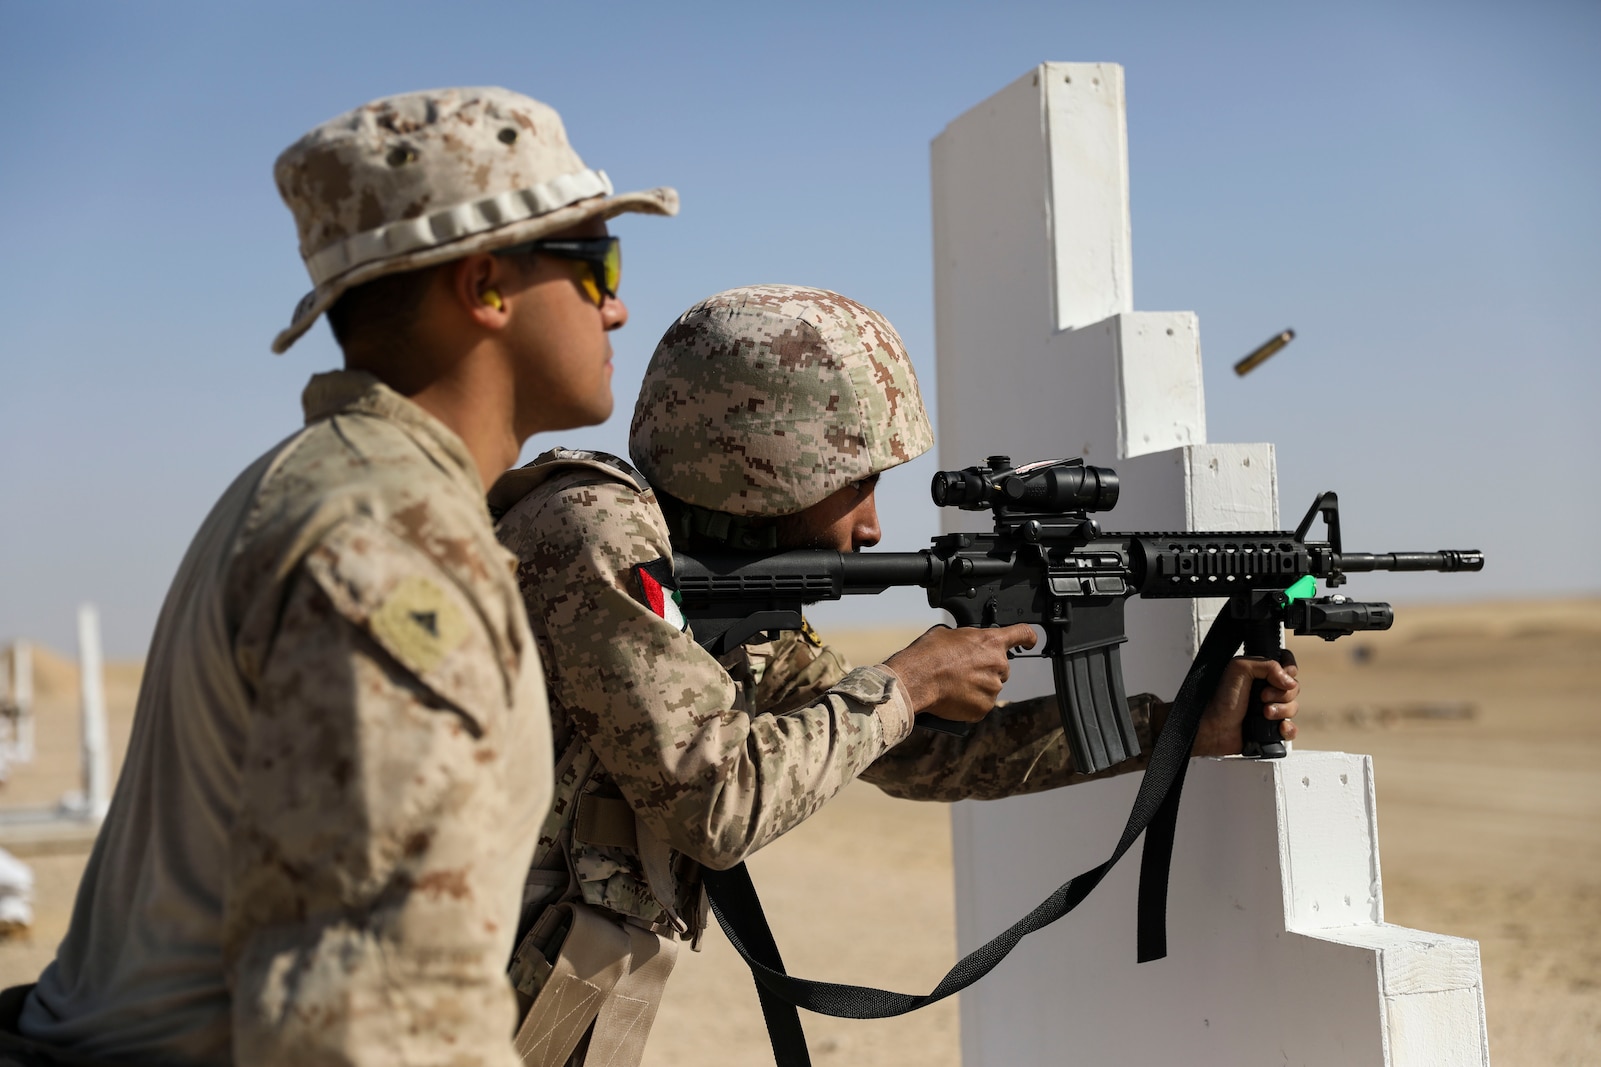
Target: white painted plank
1328	842
92	695
1159	363
1087	161
992	266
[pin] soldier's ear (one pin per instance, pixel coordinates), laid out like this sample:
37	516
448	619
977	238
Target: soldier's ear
478	288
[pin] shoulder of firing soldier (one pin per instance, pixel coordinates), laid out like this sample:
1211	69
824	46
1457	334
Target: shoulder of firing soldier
551	514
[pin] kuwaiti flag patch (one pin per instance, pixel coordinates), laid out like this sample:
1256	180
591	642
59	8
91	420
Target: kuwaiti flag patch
661	591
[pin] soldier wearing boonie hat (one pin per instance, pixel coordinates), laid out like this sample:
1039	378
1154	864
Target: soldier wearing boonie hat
766	416
411	181
341	751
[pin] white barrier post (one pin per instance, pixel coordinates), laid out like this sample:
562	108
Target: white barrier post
96	758
22	698
16	707
1277	947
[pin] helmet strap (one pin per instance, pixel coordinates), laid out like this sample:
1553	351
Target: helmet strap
747	534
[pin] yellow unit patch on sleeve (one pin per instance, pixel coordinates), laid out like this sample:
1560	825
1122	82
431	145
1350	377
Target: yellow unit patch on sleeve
418	623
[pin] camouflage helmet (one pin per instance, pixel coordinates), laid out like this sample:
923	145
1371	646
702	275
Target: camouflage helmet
766	399
422	178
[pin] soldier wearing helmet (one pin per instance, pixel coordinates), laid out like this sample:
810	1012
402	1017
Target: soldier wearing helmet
341	750
766	417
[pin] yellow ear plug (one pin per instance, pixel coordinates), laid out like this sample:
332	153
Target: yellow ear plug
491	297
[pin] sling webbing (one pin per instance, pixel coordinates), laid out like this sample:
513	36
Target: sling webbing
733	898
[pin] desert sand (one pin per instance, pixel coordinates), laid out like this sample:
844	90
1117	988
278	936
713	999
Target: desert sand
1486	740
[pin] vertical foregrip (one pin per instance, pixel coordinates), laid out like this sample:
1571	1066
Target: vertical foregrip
1259	735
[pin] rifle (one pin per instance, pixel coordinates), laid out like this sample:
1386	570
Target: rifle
1048	563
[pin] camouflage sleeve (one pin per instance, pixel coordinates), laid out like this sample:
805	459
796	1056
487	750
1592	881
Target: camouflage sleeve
668	723
1017	748
368	913
793	670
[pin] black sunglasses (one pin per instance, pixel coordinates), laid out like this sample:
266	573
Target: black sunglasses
602	255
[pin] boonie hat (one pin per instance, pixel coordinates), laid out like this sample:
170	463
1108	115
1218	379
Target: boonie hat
422	178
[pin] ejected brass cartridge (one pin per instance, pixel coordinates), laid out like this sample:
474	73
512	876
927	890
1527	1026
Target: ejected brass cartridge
1262	352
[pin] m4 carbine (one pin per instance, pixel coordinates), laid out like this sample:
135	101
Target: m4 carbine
1048	563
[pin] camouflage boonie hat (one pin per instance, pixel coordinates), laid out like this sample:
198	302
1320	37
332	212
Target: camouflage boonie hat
421	178
766	399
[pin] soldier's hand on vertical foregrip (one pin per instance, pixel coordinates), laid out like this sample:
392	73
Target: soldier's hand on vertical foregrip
1219	734
958	673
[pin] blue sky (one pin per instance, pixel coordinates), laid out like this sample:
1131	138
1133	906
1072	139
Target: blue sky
1412	187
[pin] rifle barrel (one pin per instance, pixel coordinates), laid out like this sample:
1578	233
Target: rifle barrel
1445	560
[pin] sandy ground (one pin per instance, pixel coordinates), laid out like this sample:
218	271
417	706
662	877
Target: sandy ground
1486	739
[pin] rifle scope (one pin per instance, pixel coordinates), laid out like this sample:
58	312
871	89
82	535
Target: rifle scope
1049	487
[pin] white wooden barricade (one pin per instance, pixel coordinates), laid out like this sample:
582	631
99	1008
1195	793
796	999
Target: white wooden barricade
80	812
16	707
96	800
1278	952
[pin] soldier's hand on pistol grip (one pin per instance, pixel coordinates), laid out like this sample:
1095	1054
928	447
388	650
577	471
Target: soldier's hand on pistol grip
958	673
1220	724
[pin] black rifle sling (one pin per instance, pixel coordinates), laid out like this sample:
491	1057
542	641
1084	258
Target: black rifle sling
735	895
733	898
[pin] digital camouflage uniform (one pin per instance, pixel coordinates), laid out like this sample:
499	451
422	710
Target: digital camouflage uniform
341	752
747	410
